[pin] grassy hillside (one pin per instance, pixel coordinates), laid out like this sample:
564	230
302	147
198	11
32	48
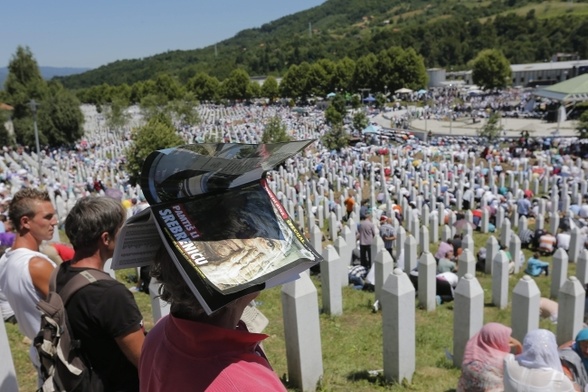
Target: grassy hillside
446	33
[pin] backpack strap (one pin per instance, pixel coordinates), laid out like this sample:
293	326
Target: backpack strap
80	280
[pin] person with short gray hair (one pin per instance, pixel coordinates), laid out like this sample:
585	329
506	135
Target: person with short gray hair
103	315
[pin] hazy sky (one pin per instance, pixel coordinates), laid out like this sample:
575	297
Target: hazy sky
80	33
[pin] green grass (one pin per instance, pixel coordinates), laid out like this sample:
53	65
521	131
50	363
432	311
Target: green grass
351	343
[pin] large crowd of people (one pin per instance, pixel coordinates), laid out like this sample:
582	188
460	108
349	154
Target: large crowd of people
105	316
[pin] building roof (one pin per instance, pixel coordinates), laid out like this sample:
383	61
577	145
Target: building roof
548	66
571	90
4	106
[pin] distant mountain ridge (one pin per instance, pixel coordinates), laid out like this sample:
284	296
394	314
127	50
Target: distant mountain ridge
47	72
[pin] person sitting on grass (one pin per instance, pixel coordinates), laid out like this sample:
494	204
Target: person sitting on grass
574	358
356	275
547	244
447	263
483	359
536	267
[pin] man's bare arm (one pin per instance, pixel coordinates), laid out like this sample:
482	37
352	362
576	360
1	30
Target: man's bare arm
40	271
131	345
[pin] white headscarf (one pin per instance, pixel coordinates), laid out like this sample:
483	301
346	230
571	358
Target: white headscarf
540	351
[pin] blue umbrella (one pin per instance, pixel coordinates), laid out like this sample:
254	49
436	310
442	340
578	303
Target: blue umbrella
331	95
369	99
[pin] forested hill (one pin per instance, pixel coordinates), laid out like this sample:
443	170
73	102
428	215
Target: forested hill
447	33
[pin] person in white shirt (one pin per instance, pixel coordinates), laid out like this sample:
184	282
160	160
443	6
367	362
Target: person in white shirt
538	368
563	240
24	271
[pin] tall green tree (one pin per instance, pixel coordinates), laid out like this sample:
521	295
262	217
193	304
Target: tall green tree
58	114
398	68
337	110
275	131
317	81
205	87
24	83
360	121
491	130
491	69
168	86
293	82
61	117
254	89
183	110
237	86
336	138
343	75
270	89
157	134
116	117
366	73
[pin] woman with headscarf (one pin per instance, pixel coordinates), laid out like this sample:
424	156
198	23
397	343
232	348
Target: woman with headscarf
574	358
483	359
538	368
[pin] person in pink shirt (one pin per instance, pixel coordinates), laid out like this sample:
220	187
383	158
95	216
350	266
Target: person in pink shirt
189	350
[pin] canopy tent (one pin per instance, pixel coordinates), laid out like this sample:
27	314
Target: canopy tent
369	99
569	91
371	129
403	90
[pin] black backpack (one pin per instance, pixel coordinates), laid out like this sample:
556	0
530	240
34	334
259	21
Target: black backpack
63	367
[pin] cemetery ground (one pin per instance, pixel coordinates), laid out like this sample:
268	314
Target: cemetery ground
352	342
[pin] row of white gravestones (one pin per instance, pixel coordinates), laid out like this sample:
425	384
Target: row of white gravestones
469	310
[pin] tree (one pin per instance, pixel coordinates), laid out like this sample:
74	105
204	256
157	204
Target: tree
399	68
337	110
168	86
275	131
293	82
582	127
270	89
254	89
116	117
360	121
184	110
61	116
490	69
157	134
316	81
343	74
237	86
336	138
492	128
205	87
24	83
365	74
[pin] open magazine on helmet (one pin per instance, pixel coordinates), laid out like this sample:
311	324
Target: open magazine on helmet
224	229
